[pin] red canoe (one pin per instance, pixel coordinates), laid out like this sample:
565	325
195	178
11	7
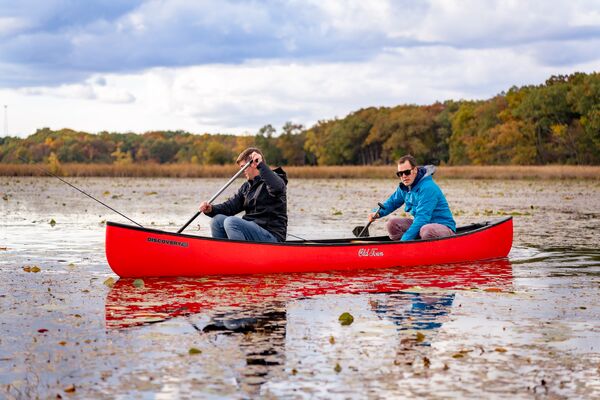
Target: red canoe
139	252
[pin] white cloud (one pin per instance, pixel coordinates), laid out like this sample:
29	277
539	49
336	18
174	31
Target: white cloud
242	98
233	66
11	25
95	88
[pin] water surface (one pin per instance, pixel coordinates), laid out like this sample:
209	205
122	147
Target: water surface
527	327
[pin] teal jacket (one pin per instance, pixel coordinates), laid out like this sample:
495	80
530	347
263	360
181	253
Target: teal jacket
424	200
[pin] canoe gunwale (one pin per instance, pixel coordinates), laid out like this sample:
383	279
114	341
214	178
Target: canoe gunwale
462	231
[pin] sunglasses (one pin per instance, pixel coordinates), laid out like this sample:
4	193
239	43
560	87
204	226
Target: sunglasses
406	172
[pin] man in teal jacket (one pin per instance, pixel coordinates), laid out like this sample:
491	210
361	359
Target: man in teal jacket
423	199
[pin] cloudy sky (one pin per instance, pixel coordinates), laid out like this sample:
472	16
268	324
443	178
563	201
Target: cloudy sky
232	66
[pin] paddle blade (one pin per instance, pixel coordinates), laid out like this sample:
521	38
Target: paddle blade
358	229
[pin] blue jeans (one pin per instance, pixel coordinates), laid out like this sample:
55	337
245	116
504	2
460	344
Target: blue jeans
236	228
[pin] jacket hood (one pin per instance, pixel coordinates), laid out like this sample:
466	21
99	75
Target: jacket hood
282	174
279	171
422	172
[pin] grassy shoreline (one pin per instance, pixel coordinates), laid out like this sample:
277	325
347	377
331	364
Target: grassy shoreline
302	172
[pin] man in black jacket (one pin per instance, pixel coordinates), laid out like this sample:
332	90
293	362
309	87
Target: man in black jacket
263	199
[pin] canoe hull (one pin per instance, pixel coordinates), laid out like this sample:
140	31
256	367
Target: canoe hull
140	252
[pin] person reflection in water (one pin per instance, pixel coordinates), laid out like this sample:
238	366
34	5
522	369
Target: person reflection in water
426	312
262	342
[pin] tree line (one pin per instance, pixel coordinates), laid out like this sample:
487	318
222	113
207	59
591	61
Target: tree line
557	122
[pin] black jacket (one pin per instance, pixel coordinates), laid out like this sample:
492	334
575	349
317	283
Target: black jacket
263	199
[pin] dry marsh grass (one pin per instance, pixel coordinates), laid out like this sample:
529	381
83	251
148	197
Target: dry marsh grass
521	172
302	172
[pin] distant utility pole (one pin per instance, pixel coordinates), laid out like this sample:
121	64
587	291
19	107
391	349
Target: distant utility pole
5	120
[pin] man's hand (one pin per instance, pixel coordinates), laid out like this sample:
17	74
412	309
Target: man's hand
256	158
373	217
205	207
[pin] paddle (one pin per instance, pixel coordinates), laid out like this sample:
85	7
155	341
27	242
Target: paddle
363	231
233	178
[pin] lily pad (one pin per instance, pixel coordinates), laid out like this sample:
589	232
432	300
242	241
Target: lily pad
110	282
346	319
31	268
70	389
426	362
138	283
493	289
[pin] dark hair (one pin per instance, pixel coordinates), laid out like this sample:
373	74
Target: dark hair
409	158
245	155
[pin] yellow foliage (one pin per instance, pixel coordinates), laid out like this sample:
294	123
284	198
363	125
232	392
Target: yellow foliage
54	164
559	130
122	158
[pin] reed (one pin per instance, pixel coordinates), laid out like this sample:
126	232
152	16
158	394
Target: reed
127	170
303	172
587	172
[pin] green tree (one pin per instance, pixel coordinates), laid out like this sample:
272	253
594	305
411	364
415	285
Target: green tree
291	144
267	143
217	153
163	151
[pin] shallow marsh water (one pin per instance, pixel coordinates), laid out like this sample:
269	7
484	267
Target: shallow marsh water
523	328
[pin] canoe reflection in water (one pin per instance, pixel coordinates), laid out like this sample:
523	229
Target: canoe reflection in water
290	321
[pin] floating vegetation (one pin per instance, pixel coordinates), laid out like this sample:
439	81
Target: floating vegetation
426	362
489	212
31	268
69	389
110	282
513	213
138	283
346	319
